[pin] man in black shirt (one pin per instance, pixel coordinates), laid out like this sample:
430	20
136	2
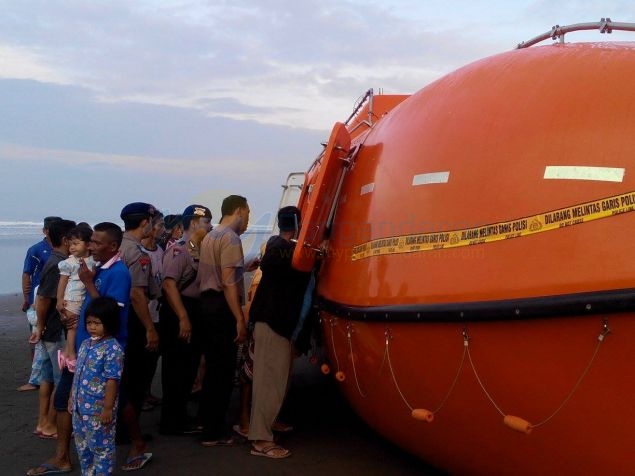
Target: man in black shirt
275	310
48	332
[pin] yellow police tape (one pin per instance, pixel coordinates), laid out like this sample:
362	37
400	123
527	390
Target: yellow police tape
553	220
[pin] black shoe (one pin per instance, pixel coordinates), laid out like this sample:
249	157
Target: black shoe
193	430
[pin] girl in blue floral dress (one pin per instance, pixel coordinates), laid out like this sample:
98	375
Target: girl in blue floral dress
93	401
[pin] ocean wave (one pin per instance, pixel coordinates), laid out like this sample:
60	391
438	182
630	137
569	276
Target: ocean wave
20	223
20	229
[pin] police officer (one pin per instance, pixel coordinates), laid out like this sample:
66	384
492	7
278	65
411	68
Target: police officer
179	319
142	334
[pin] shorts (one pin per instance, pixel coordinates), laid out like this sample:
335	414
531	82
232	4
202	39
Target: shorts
74	307
50	371
63	391
36	365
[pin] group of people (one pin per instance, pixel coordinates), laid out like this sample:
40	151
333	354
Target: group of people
104	302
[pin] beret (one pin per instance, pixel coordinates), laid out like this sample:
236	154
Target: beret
138	208
197	211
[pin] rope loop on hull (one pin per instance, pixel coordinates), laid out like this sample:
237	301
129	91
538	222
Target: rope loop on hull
349	332
517	423
420	413
513	422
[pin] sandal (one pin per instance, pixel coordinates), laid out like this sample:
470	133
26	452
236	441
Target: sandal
134	463
272	451
71	364
221	442
61	360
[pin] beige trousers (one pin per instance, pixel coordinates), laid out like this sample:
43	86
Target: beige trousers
272	365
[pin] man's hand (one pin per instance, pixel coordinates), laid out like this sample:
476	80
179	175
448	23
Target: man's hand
152	339
36	335
185	329
253	264
25	305
85	274
241	332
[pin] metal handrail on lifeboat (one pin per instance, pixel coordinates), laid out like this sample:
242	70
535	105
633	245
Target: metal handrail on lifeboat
557	32
369	122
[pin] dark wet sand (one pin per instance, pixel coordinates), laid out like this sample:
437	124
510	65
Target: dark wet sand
329	439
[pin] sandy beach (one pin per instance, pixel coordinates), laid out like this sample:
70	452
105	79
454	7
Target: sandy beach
328	437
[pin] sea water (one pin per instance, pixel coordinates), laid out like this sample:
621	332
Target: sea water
17	237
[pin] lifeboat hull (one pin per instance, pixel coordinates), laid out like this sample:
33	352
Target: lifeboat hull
527	367
477	258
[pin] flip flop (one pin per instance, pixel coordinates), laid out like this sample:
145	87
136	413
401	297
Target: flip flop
61	360
144	459
48	469
269	451
71	364
241	431
27	387
44	436
221	442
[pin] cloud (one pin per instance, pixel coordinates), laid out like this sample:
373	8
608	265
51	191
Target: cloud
168	99
274	59
72	118
65	140
19	62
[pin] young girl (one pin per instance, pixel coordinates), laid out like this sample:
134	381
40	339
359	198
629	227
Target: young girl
71	290
93	400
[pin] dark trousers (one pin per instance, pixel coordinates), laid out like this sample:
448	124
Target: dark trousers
218	334
139	365
179	365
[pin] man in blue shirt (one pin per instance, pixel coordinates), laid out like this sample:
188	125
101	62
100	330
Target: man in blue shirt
36	257
111	278
34	261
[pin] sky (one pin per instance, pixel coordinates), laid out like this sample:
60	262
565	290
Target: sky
172	102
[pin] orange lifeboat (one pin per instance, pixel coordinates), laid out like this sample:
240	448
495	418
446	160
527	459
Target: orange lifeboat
477	284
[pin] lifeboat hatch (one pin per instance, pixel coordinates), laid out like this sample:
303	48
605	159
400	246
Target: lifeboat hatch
318	205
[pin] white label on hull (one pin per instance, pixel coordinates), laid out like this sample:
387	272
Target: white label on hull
368	188
436	177
575	172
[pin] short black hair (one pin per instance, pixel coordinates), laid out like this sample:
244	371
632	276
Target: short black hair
112	230
49	220
106	310
232	203
132	222
59	230
81	232
172	221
